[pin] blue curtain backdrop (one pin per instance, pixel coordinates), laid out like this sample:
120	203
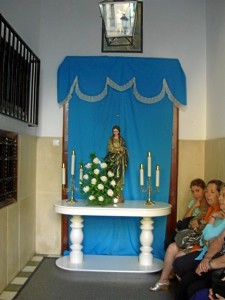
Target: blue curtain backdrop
137	94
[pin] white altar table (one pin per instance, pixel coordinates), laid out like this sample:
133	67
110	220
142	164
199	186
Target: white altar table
144	263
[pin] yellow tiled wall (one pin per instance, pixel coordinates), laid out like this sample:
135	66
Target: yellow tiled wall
49	166
18	221
215	159
190	165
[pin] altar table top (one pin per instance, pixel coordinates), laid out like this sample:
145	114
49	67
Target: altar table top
130	208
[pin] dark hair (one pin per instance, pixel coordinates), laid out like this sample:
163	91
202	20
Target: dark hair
198	182
217	182
116	127
222	185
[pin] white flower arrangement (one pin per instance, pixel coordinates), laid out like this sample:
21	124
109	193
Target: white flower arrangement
98	184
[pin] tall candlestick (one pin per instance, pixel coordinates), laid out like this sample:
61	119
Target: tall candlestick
63	174
81	172
72	162
141	174
149	164
157	176
149	187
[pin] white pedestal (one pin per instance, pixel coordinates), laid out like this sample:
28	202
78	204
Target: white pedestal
142	263
146	239
76	237
108	263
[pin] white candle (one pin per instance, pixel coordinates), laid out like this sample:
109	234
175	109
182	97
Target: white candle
72	162
141	174
63	174
81	172
157	176
149	164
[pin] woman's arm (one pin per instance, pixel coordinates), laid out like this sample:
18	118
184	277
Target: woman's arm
208	262
217	263
190	210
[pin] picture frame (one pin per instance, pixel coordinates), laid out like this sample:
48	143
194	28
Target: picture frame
138	37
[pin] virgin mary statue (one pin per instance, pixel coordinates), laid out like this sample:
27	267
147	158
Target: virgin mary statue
117	158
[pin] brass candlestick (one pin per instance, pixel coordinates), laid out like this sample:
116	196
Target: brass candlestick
149	189
71	188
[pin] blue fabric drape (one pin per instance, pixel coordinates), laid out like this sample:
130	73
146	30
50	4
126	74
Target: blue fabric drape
92	113
150	78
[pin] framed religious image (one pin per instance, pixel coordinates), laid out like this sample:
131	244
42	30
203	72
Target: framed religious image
124	44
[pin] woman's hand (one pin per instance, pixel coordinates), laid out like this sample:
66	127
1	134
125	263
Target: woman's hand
219	214
203	267
197	203
211	297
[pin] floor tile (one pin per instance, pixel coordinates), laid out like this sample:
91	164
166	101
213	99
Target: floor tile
7	295
19	280
13	288
29	269
37	258
24	274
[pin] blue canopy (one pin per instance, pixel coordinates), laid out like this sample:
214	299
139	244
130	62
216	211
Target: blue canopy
151	78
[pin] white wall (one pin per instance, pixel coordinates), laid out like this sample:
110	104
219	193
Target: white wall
215	68
172	29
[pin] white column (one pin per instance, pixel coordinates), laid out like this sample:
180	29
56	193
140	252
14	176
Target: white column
146	239
76	237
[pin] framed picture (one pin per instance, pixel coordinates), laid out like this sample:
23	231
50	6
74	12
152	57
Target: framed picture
138	37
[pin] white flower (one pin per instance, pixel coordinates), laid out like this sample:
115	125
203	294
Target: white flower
110	193
93	181
100	186
96	160
110	174
103	178
103	165
88	166
113	183
96	171
86	176
100	198
91	197
86	189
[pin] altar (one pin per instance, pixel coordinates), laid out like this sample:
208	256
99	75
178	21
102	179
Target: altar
144	262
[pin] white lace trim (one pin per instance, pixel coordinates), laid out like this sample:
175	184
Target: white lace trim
147	100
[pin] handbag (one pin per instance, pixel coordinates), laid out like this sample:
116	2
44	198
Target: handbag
181	224
187	238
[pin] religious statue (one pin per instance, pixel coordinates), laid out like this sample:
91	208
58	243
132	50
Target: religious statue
117	158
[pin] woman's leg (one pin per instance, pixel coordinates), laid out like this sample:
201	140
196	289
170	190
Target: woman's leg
186	263
163	282
170	256
190	284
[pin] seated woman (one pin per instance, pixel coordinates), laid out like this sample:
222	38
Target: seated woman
212	267
173	251
196	207
185	266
